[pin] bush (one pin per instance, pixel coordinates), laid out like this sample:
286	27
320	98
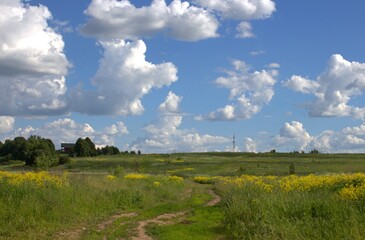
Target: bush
291	168
6	158
63	160
40	158
119	171
44	161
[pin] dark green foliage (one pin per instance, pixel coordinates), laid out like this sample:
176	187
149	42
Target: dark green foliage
20	148
84	148
2	158
63	159
7	149
291	168
314	151
34	151
91	146
108	150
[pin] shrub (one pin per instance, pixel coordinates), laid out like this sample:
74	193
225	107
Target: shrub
119	171
63	160
45	161
291	168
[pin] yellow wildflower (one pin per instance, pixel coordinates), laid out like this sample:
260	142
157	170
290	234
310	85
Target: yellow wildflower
133	176
176	178
156	184
40	179
111	177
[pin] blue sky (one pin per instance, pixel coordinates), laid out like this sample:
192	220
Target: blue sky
168	76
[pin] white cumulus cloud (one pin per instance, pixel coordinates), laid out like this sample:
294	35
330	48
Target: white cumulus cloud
293	137
165	134
240	9
123	78
244	30
171	104
121	19
6	124
32	62
249	145
333	89
249	90
349	139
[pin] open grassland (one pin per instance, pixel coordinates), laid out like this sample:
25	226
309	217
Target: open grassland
165	197
220	164
294	207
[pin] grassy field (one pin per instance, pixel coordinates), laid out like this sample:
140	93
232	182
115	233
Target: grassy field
117	196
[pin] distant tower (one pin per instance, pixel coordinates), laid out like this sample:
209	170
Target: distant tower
234	143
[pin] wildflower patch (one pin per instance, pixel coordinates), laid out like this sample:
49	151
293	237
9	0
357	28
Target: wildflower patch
39	179
347	186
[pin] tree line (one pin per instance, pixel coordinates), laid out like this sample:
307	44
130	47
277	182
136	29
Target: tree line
86	148
40	152
34	151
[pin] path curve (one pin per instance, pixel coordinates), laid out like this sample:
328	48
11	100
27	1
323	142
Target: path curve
103	225
216	199
164	218
161	219
77	233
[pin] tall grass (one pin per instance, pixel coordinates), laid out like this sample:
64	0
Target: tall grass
252	211
30	211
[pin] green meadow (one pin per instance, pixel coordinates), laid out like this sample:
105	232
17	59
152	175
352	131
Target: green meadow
168	196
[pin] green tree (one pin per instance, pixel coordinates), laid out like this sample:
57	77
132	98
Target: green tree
85	148
314	151
82	148
20	148
109	150
7	149
93	151
41	152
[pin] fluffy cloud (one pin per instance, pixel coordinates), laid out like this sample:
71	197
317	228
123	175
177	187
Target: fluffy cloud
240	9
250	90
165	135
293	137
6	124
301	84
333	89
123	78
171	104
349	139
120	19
244	30
67	130
249	145
32	63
